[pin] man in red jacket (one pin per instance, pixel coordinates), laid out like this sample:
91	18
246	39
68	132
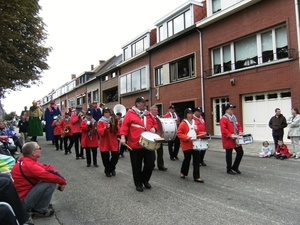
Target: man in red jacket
231	129
136	121
36	182
75	120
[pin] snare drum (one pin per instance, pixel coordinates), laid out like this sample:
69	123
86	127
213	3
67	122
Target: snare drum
200	144
147	140
167	129
244	139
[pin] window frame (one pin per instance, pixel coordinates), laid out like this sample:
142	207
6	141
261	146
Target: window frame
179	64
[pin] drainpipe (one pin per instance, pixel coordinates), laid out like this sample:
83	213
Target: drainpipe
297	27
150	84
201	70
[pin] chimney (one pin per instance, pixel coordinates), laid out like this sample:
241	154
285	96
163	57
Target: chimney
73	76
92	67
101	61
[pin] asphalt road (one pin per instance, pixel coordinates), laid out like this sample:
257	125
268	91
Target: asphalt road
267	192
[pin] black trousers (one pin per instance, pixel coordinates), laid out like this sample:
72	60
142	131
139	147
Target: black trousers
238	158
276	138
174	152
159	158
109	163
57	138
202	154
9	195
186	163
141	174
88	155
66	146
77	140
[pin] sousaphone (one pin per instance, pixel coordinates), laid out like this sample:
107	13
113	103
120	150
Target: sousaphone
118	108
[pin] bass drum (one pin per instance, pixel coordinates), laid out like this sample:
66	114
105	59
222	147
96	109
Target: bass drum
167	129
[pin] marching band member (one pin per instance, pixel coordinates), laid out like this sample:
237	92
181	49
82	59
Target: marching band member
89	139
108	129
34	123
200	125
230	129
176	143
57	132
134	124
159	151
66	133
122	148
51	111
187	133
76	119
96	112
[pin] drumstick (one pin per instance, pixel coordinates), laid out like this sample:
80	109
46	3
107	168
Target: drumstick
126	145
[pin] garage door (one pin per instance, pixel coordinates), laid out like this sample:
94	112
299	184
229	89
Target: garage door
259	108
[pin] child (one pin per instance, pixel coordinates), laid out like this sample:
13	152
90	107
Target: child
281	151
266	150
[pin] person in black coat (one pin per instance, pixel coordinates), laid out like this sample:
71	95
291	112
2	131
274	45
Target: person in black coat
277	123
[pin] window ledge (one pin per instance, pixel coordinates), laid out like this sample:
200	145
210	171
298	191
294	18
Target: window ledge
251	67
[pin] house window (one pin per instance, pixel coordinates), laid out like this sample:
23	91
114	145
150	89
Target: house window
216	5
253	50
83	99
134	81
105	78
113	75
137	47
159	79
126	53
161	34
179	23
95	95
79	101
183	68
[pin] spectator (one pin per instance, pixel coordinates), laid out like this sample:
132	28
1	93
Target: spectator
282	151
36	182
266	150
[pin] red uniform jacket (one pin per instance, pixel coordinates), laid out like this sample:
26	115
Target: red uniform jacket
283	150
134	133
36	173
62	124
227	129
56	128
109	140
169	115
182	132
200	123
86	141
75	123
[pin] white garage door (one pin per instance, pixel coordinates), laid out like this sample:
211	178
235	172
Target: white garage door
259	108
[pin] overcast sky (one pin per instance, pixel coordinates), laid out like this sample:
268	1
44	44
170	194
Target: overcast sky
83	32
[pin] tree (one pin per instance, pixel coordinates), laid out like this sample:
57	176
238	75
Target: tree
22	51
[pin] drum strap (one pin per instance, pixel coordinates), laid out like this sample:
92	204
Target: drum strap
137	125
192	131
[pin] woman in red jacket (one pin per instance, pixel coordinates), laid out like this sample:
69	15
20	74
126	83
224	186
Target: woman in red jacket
57	132
89	138
108	130
231	129
186	133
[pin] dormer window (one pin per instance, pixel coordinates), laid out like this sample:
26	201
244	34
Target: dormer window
216	5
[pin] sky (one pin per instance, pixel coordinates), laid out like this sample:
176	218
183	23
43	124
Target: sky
83	32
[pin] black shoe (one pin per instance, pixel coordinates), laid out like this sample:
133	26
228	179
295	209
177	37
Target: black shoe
122	155
172	159
176	158
108	174
139	188
77	157
113	173
231	172
66	153
70	151
202	163
96	165
82	157
147	185
162	168
57	149
199	180
88	165
61	149
236	170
